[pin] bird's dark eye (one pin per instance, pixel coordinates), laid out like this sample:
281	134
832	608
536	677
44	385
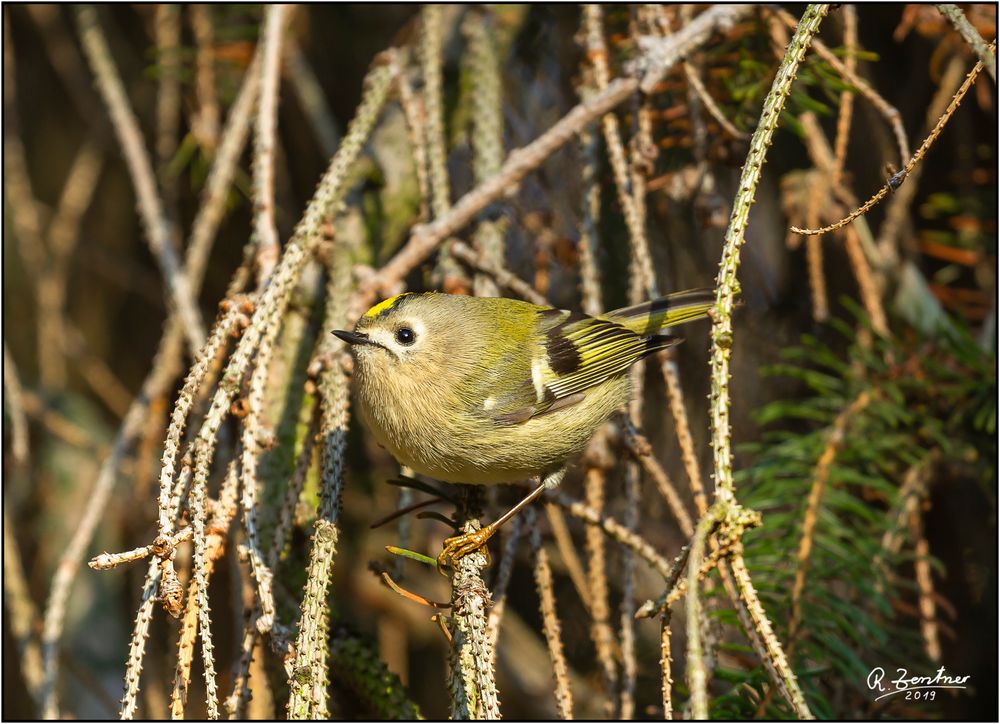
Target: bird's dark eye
405	336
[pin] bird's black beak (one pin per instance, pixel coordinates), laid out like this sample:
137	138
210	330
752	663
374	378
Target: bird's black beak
353	337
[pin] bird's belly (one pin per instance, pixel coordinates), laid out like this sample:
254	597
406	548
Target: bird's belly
474	450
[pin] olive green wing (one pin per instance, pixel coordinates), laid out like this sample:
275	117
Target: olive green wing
581	352
571	353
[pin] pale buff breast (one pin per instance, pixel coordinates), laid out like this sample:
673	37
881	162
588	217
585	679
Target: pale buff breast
471	449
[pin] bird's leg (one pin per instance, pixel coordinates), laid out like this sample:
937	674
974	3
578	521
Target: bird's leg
462	545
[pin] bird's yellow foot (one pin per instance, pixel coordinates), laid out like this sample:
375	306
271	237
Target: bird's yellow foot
462	545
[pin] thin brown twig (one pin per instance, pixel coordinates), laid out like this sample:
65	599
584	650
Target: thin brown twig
220	178
912	493
925	585
590	282
630	198
96	372
629	172
27	225
626	606
265	132
410	595
897	208
502	581
106	561
75	198
682	428
597	582
22	613
550	622
71	67
206	120
814	250
668	365
52	286
310	93
867	286
567	551
153	216
666	672
463	252
823	158
14	402
676	586
58	424
901	176
888	111
598	456
660	54
821	473
167	28
710	105
613	529
845	107
642	450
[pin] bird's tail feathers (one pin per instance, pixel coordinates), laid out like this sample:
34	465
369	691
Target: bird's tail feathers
651	317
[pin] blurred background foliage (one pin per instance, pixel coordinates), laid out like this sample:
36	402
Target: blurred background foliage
929	393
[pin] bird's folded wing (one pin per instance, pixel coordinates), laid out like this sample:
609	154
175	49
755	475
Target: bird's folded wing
572	353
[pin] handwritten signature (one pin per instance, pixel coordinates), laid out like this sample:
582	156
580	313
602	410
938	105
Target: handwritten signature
916	687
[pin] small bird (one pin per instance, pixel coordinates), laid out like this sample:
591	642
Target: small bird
483	390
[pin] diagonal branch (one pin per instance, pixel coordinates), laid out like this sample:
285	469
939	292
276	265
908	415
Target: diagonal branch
140	168
971	36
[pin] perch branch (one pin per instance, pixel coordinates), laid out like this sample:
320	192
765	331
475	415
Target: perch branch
471	679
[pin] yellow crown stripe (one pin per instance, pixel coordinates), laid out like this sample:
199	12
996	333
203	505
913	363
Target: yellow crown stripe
386	305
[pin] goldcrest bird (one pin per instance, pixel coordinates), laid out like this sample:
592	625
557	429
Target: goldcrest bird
482	390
